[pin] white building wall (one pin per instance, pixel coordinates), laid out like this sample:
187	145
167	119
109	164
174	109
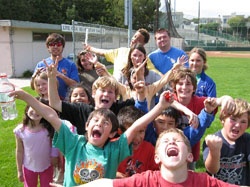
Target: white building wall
5	51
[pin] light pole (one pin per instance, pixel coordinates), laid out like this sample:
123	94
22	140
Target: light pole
198	29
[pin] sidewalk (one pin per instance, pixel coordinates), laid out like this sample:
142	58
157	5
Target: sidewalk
20	82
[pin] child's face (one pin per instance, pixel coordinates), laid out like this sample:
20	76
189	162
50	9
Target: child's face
79	96
86	64
41	86
33	115
196	63
137	57
138	139
184	88
104	97
172	152
234	127
163	122
99	130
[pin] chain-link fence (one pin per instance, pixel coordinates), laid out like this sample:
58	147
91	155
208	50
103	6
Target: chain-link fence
106	37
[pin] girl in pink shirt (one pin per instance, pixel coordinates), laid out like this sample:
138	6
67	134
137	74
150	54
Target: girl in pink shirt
33	150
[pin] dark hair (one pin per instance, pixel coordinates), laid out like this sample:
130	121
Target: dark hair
126	70
106	113
55	37
80	85
127	116
78	61
145	34
45	123
173	113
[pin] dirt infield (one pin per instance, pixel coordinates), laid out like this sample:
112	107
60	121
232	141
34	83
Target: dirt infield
239	54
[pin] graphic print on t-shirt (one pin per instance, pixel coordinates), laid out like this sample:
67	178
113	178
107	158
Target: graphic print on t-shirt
88	171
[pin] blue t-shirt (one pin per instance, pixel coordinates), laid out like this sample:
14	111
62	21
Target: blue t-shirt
65	66
85	162
193	135
205	86
163	62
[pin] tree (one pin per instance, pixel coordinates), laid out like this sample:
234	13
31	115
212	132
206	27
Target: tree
238	24
210	26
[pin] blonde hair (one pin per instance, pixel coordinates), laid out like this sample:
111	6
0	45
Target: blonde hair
104	82
173	130
242	106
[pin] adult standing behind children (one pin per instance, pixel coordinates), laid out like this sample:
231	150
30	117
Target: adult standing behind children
198	63
67	73
166	55
120	55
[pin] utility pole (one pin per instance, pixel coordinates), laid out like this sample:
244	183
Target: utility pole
156	15
128	18
198	29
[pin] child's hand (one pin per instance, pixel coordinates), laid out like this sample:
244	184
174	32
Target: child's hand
193	119
140	90
52	69
182	60
139	86
166	98
54	161
139	71
20	176
120	175
228	105
55	185
214	143
91	57
210	104
18	93
86	47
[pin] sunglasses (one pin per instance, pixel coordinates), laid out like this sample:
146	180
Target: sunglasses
53	44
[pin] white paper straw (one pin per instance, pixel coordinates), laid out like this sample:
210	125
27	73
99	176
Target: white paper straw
86	36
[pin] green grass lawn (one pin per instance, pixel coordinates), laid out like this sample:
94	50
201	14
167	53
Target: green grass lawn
230	74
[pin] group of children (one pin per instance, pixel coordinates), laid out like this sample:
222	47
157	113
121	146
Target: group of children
103	138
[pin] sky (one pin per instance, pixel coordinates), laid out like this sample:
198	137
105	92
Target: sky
210	8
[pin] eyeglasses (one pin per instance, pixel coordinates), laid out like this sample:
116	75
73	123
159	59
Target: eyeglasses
53	44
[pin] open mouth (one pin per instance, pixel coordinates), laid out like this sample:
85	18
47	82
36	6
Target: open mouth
171	152
105	101
235	132
96	134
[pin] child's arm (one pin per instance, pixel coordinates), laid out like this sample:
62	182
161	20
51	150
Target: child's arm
101	69
192	117
99	182
212	162
94	50
45	111
19	158
227	104
148	117
54	99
